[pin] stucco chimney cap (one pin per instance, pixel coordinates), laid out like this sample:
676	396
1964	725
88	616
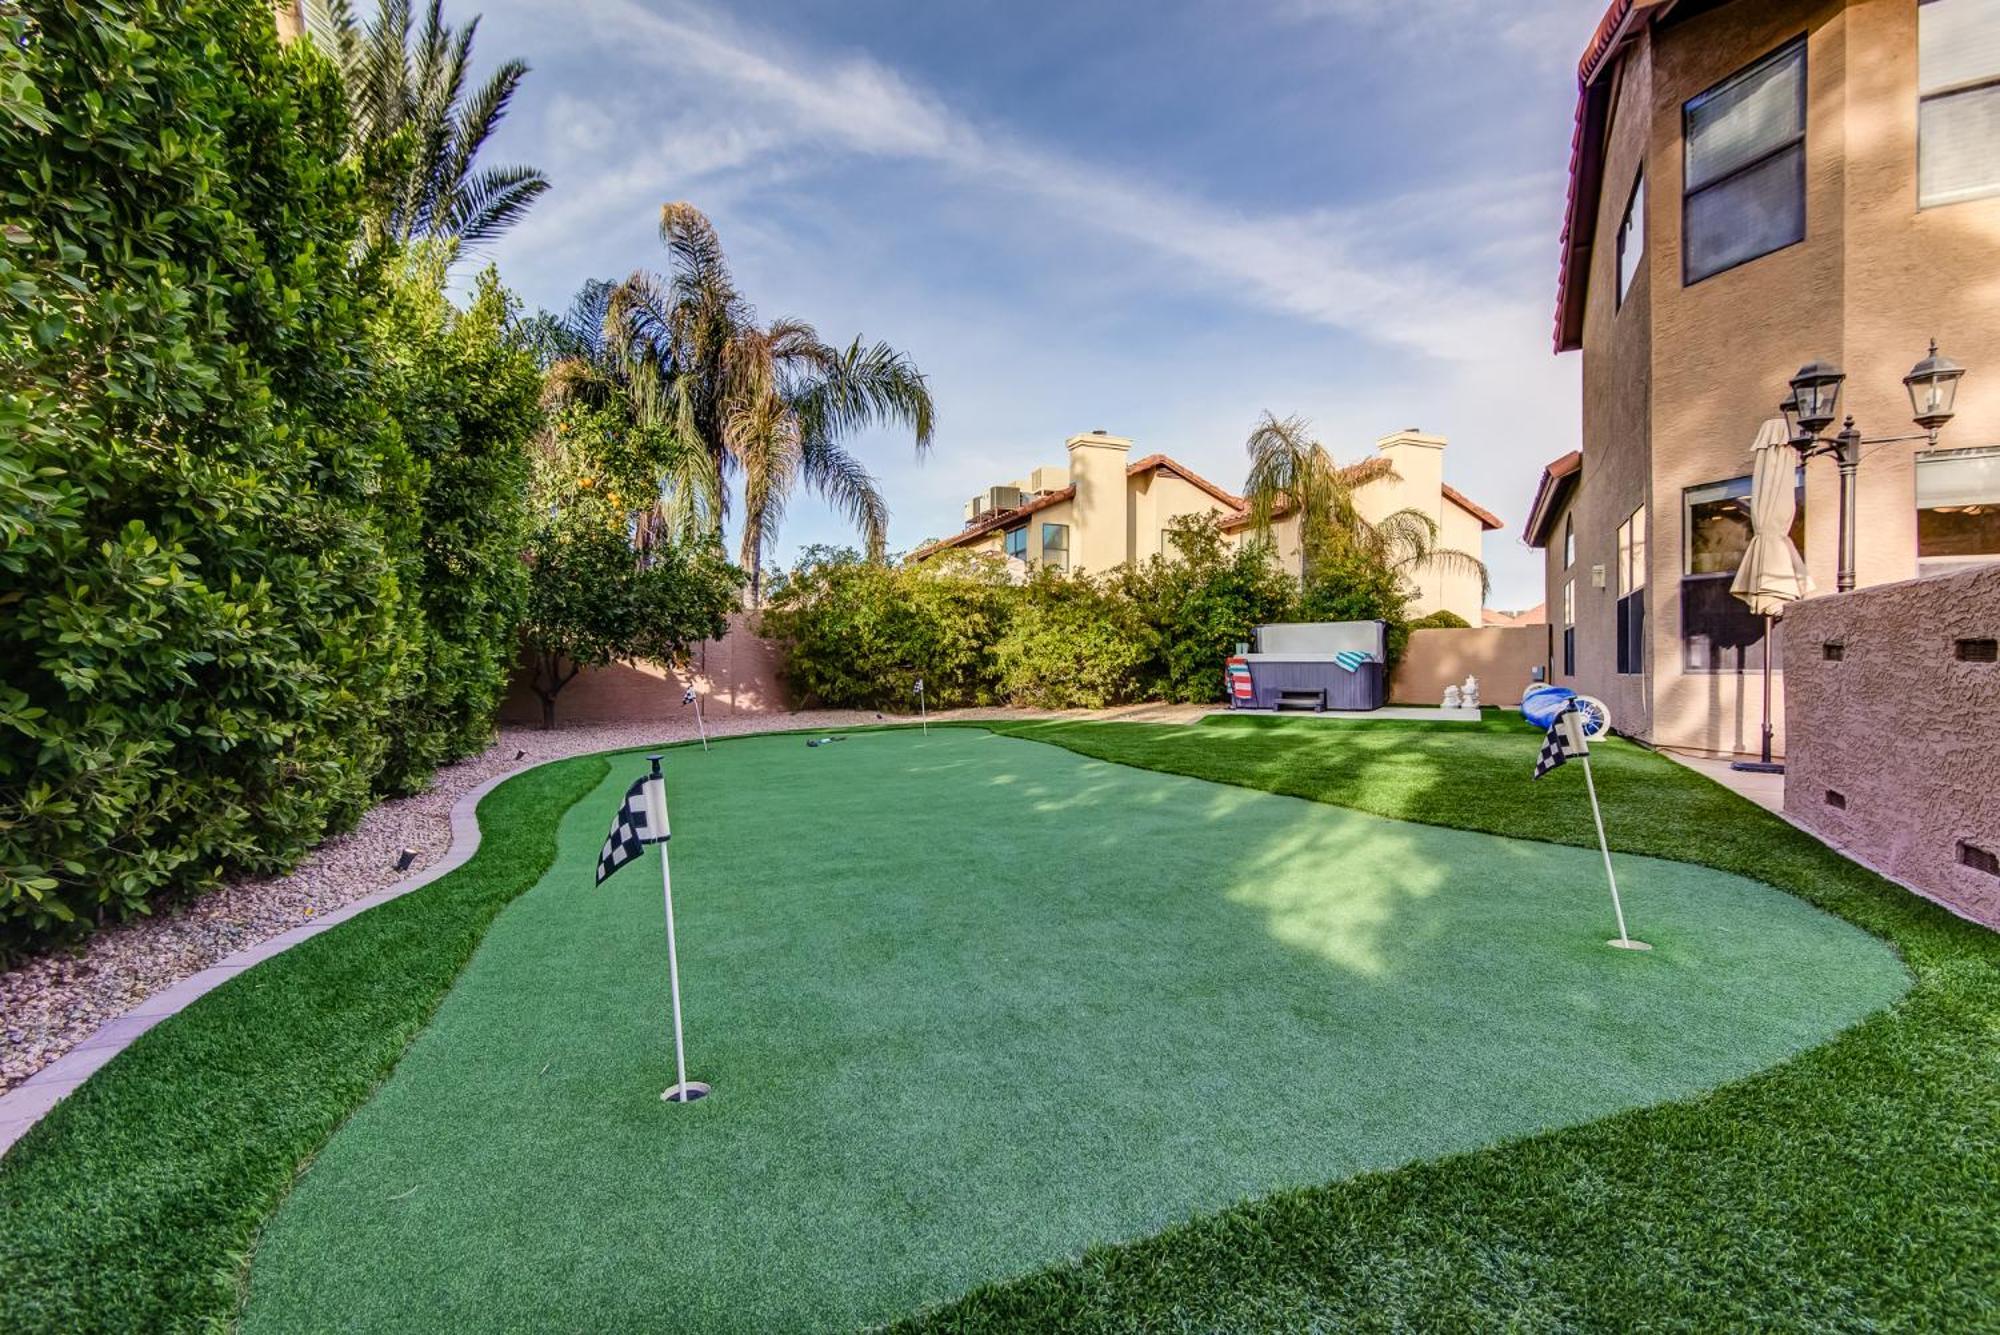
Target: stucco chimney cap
1103	438
1409	435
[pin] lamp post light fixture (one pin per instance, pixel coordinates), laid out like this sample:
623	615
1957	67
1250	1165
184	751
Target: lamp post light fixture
1814	402
1933	384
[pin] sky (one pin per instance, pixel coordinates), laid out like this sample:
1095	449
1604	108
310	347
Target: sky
1158	221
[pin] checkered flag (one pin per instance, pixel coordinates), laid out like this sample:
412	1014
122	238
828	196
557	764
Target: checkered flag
1564	740
629	832
687	696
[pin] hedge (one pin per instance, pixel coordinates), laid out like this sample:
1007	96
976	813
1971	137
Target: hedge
226	508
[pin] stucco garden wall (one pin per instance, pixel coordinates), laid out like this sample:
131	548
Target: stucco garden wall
1502	657
1902	726
737	674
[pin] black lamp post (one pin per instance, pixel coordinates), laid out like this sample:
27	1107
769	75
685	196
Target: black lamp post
1812	405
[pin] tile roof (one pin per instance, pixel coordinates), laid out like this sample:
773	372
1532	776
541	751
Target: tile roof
1586	159
1557	479
985	524
1164	464
1487	519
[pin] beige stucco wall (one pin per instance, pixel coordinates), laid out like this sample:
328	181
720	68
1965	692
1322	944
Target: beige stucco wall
1158	497
1418	484
1617	382
1502	657
1902	729
1702	366
737	674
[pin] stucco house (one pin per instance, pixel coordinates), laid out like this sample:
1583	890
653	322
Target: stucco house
1104	509
1755	185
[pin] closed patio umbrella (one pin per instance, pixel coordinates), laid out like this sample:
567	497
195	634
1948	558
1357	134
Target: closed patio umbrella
1773	573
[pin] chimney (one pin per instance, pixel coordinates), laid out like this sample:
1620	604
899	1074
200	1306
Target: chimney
1100	538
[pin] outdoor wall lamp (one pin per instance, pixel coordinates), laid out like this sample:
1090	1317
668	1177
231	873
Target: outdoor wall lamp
1813	403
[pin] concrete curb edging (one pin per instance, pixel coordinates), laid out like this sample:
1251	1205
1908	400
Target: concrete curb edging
30	1101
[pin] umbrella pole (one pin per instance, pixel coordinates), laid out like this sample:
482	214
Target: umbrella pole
1769	648
1766	765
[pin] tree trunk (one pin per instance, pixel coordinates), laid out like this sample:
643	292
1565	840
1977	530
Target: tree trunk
548	711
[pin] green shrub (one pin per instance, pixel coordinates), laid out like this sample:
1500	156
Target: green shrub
1074	642
1355	587
593	598
465	393
1200	604
1441	620
859	633
203	623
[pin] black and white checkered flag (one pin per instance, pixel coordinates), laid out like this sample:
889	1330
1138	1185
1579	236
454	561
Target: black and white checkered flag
687	697
629	833
1557	746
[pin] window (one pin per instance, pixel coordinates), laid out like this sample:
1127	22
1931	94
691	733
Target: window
1958	100
1632	593
1719	633
1746	165
1569	628
1718	525
1017	542
1569	541
1631	238
1958	507
1055	546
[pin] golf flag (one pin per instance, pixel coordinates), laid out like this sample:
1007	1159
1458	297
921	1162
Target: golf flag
1565	739
687	696
642	820
631	831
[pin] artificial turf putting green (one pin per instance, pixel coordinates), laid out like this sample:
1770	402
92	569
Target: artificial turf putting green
970	1004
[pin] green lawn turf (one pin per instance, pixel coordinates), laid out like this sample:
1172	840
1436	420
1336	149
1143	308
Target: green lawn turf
971	1004
132	1205
1856	1187
1853	1187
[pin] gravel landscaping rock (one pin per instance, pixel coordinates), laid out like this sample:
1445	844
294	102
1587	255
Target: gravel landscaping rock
56	1001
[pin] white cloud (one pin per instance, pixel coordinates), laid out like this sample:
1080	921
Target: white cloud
1547	33
1344	269
1459	271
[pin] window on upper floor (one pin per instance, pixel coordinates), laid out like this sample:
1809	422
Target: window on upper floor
1958	507
1016	542
1055	546
1632	238
1745	179
1958	100
1569	541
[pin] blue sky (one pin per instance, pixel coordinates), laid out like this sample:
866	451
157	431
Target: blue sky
1158	221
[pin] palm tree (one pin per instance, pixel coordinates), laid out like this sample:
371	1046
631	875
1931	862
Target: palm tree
417	129
589	360
1293	473
770	404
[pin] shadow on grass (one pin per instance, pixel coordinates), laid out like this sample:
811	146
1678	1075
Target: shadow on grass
1851	1187
970	1005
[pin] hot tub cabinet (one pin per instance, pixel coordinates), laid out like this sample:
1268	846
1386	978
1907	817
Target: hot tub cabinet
1294	665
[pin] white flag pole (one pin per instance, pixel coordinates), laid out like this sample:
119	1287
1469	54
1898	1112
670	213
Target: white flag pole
923	714
1574	723
700	722
684	1090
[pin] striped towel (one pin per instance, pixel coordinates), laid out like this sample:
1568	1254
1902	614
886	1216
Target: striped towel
1350	660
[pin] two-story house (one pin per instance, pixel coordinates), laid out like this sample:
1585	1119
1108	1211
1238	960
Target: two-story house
1104	509
1755	185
